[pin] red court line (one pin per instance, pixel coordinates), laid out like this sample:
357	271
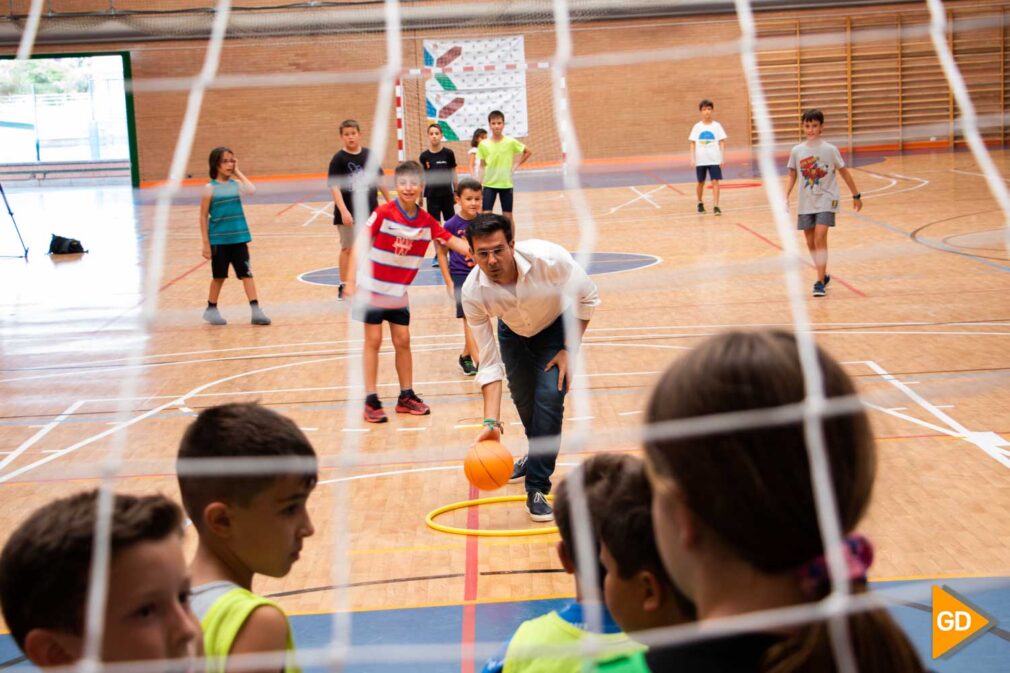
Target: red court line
181	276
300	200
664	183
839	280
469	636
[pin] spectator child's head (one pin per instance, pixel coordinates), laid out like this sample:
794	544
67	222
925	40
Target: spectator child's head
350	136
813	123
736	506
478	135
490	239
255	521
409	178
637	590
601	474
496	120
222	163
45	572
434	136
706	107
468	196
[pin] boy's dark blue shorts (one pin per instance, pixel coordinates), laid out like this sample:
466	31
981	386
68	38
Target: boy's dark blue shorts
489	195
230	254
457	290
714	172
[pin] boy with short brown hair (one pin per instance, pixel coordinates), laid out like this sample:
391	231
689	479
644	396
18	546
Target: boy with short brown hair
248	524
45	571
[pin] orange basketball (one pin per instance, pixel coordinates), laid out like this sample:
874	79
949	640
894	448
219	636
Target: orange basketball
488	465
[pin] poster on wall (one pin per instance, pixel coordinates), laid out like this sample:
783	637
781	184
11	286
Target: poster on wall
459	101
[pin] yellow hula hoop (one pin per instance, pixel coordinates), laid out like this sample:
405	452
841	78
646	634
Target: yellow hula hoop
452	530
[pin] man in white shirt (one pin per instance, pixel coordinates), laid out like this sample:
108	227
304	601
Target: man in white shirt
523	285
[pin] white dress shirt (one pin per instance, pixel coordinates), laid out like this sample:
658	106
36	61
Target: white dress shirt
536	300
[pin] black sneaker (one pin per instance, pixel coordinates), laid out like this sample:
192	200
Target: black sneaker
340	292
827	279
716	210
819	289
518	470
701	207
467	365
538	507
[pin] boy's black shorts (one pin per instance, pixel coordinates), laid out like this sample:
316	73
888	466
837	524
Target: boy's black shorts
230	254
440	206
374	315
489	195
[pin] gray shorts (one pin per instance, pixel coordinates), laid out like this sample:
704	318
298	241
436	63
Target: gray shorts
346	236
809	220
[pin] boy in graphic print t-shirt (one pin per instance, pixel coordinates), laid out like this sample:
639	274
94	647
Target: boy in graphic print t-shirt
708	141
816	162
400	232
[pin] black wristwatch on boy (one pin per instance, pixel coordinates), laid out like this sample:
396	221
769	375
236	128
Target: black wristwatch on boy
857	196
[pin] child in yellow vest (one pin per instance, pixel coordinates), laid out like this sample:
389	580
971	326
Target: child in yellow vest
247	525
550	643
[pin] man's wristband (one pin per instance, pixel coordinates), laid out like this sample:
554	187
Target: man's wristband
857	197
494	425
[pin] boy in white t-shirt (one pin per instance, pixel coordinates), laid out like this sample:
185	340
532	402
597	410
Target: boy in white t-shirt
818	161
708	141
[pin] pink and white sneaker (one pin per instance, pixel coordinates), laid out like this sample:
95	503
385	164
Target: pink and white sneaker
412	404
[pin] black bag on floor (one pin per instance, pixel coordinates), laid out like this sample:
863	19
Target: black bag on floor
61	245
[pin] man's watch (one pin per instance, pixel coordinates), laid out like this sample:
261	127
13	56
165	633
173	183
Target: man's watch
857	197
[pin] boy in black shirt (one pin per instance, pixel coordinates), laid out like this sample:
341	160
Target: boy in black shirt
343	174
439	164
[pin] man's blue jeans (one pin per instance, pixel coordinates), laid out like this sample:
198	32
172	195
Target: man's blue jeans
540	404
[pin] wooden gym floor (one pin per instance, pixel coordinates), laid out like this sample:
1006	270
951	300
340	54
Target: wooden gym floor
918	311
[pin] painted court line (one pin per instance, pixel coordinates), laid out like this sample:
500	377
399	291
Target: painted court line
31	441
640	196
989	442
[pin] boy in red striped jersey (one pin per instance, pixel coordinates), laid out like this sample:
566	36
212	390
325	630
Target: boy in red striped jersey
400	232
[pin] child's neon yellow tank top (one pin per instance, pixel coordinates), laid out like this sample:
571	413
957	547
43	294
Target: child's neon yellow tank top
223	608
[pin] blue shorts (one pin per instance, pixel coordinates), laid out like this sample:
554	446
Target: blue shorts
714	172
457	290
807	221
489	195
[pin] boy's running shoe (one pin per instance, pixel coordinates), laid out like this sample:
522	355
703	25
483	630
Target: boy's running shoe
340	292
213	316
375	414
701	207
467	365
259	317
827	279
819	289
413	405
716	210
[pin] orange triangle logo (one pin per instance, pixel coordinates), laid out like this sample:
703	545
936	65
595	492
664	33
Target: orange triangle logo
955	622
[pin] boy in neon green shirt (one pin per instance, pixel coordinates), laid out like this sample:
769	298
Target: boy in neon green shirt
497	154
249	524
539	645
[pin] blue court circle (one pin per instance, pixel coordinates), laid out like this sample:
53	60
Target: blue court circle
599	263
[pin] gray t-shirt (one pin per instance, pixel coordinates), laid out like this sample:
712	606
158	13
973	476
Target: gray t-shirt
204	596
816	164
